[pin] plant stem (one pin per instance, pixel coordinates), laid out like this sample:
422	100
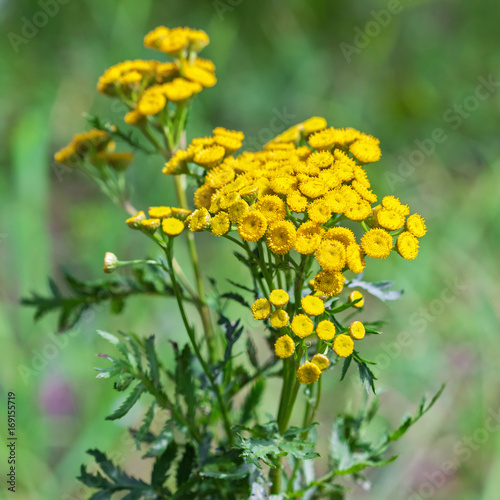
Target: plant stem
190	332
180	189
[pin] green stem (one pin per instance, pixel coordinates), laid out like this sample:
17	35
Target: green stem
190	332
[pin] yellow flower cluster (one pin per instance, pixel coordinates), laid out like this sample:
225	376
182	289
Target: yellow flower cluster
95	146
294	193
146	86
305	324
168	221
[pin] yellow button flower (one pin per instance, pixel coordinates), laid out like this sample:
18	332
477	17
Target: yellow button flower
357	330
200	220
160	212
279	318
331	255
377	243
325	330
279	298
172	227
281	237
321	361
313	306
355	296
272	207
343	345
261	309
220	224
329	282
302	326
415	224
308	373
252	226
284	347
407	245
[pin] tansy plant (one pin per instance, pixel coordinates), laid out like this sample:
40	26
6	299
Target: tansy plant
304	222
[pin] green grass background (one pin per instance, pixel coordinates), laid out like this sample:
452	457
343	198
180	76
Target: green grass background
273	59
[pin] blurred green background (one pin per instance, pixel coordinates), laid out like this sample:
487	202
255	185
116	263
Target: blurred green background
421	75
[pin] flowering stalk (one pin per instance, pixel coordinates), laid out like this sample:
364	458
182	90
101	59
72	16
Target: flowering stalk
304	221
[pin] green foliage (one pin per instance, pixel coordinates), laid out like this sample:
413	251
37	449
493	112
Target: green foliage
264	443
146	279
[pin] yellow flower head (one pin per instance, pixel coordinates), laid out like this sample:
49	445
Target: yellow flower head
284	346
364	191
366	150
321	361
407	245
325	139
237	210
355	258
150	225
358	210
279	318
342	234
302	326
134	222
272	207
377	243
357	330
320	159
296	202
172	227
261	309
281	237
252	226
325	330
284	184
355	296
180	89
389	219
319	211
279	298
234	134
203	196
336	200
229	143
329	282
220	176
308	373
210	156
159	212
313	306
313	188
314	124
415	224
151	102
200	220
177	164
393	203
331	255
343	345
220	224
199	75
308	237
133	117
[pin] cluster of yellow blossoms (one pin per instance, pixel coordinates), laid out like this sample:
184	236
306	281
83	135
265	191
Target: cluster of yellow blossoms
292	195
308	321
95	146
146	86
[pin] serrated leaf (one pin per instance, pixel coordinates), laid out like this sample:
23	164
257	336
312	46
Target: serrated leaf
126	406
162	465
184	381
186	464
160	443
345	367
154	374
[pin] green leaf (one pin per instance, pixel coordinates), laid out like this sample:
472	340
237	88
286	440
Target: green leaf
143	431
154	374
345	367
125	407
365	374
252	400
162	465
184	383
186	464
160	443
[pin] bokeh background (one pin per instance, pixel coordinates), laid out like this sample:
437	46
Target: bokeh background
420	75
